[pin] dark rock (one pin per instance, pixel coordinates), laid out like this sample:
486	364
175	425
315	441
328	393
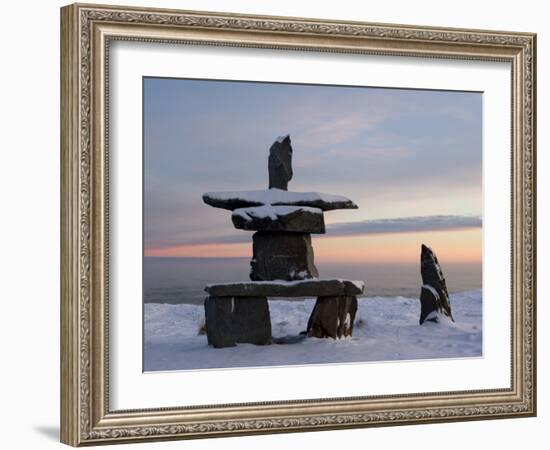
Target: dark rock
280	163
305	288
279	218
278	255
434	297
219	321
429	305
231	320
252	320
229	201
323	204
276	197
332	317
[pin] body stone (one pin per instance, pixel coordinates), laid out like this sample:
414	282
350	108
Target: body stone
279	255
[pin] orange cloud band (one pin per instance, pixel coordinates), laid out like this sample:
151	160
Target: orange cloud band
452	246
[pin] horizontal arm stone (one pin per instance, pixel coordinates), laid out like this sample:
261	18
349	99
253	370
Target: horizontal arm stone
245	199
303	288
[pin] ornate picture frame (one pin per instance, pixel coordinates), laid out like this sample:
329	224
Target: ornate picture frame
87	31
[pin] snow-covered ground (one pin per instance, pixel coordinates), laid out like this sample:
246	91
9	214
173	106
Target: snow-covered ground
385	329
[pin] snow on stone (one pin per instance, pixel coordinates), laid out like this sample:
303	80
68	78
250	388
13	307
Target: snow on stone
277	282
280	139
276	196
386	329
272	211
437	317
347	322
358	284
301	275
432	290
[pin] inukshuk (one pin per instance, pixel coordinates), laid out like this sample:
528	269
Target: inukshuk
434	297
282	263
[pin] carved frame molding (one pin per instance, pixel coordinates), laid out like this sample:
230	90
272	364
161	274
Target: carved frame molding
86	31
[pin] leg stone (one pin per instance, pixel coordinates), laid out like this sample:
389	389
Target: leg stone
231	320
219	321
332	317
252	323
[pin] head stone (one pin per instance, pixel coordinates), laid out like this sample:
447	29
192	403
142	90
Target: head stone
280	163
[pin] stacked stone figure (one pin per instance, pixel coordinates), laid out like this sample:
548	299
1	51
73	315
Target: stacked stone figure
434	297
282	262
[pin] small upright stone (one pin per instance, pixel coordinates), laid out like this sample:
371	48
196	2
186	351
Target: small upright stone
278	255
434	297
280	163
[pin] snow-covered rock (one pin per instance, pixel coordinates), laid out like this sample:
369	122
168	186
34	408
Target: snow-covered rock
301	219
279	288
245	199
434	297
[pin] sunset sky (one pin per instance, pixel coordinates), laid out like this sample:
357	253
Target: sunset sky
410	159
